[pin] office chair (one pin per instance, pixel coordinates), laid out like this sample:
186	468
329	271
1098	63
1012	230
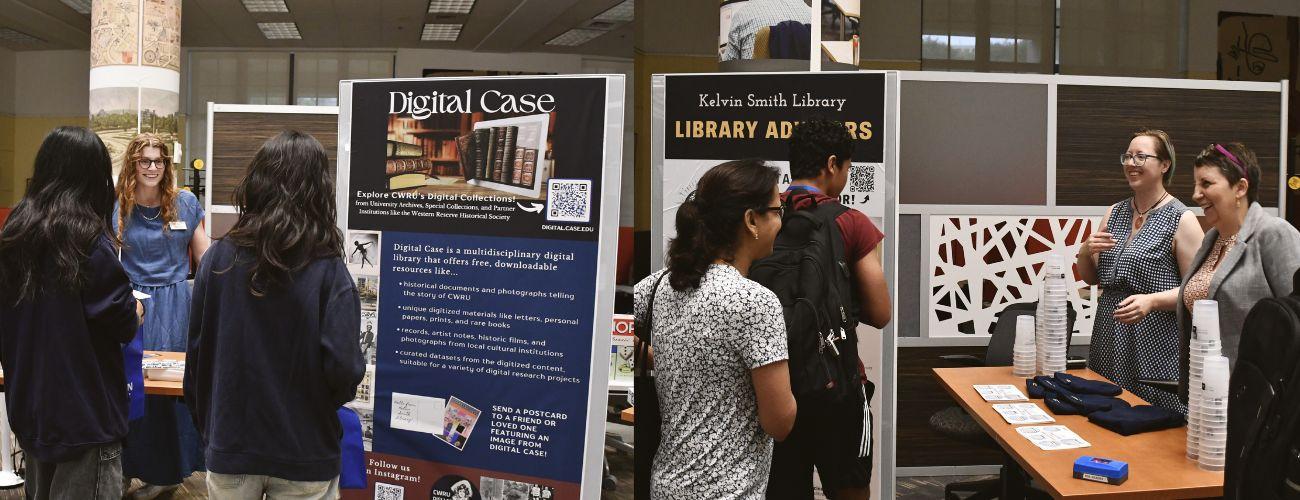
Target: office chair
955	423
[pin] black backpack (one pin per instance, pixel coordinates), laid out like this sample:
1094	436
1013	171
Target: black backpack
808	273
1263	455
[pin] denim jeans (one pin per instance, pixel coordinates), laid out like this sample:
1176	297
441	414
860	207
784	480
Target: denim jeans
95	475
252	487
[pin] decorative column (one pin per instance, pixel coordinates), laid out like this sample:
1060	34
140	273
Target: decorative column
135	62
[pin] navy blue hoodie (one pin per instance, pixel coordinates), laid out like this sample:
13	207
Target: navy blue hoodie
265	376
65	385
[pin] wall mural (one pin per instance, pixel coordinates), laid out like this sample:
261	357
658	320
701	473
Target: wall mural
981	264
162	34
114	32
131	40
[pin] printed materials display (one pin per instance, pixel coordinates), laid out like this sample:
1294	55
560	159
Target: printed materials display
481	235
1023	413
1053	437
1000	393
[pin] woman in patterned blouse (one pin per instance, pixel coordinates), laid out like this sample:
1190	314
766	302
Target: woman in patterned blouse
1143	246
719	341
1248	255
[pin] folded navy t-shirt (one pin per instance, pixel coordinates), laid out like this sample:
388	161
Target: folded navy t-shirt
1138	419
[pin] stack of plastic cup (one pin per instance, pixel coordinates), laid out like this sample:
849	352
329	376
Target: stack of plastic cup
1051	336
1212	445
1024	355
1204	346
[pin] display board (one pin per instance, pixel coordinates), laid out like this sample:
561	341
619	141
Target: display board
236	131
702	120
481	218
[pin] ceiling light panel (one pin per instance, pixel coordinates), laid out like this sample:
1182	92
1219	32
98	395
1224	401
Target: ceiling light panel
81	6
265	6
440	32
450	6
621	13
280	31
575	37
17	37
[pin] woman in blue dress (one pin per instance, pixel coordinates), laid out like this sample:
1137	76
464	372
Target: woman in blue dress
1138	255
162	234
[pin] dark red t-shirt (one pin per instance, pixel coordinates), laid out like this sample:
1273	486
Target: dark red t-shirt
860	234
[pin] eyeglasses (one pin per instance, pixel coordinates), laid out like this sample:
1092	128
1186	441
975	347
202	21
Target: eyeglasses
1137	160
148	164
779	209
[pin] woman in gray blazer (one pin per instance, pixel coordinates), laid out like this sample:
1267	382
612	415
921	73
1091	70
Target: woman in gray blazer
1248	255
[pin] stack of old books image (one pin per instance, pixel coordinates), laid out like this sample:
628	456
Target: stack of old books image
494	154
417	155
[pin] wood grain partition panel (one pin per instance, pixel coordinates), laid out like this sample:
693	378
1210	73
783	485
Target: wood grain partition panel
919	397
1095	124
236	136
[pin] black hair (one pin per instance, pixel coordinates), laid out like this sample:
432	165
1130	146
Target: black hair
48	237
1245	163
710	218
813	141
286	210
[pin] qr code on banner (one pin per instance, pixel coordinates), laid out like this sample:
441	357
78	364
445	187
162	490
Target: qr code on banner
862	178
385	491
569	200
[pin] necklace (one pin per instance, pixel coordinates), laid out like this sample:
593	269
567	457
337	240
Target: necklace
1142	214
1224	245
155	216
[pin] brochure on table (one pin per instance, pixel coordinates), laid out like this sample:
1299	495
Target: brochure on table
480	223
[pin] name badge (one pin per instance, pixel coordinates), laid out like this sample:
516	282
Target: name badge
179	225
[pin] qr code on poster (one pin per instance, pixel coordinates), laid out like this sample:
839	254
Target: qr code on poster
569	200
862	178
385	491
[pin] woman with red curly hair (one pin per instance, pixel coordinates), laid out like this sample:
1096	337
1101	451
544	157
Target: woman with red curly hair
162	234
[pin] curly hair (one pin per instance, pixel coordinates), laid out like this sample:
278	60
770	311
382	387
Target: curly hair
1245	166
126	182
813	141
710	218
286	210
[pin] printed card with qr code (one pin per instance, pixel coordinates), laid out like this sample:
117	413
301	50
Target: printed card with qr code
568	200
866	188
385	491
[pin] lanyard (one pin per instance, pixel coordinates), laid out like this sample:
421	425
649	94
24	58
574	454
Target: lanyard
804	187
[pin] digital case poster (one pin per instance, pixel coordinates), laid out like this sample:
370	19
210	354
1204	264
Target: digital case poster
480	234
712	118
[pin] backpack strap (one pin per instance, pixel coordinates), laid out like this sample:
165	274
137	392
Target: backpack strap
798	194
828	213
642	330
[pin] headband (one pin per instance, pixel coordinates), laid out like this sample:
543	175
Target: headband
1232	159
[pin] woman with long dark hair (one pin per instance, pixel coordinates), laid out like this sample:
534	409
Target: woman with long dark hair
719	341
275	324
66	308
162	235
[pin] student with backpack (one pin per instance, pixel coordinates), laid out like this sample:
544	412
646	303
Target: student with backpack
827	270
273	348
718	341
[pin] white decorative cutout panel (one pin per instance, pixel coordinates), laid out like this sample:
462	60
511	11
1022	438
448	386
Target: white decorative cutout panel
980	264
